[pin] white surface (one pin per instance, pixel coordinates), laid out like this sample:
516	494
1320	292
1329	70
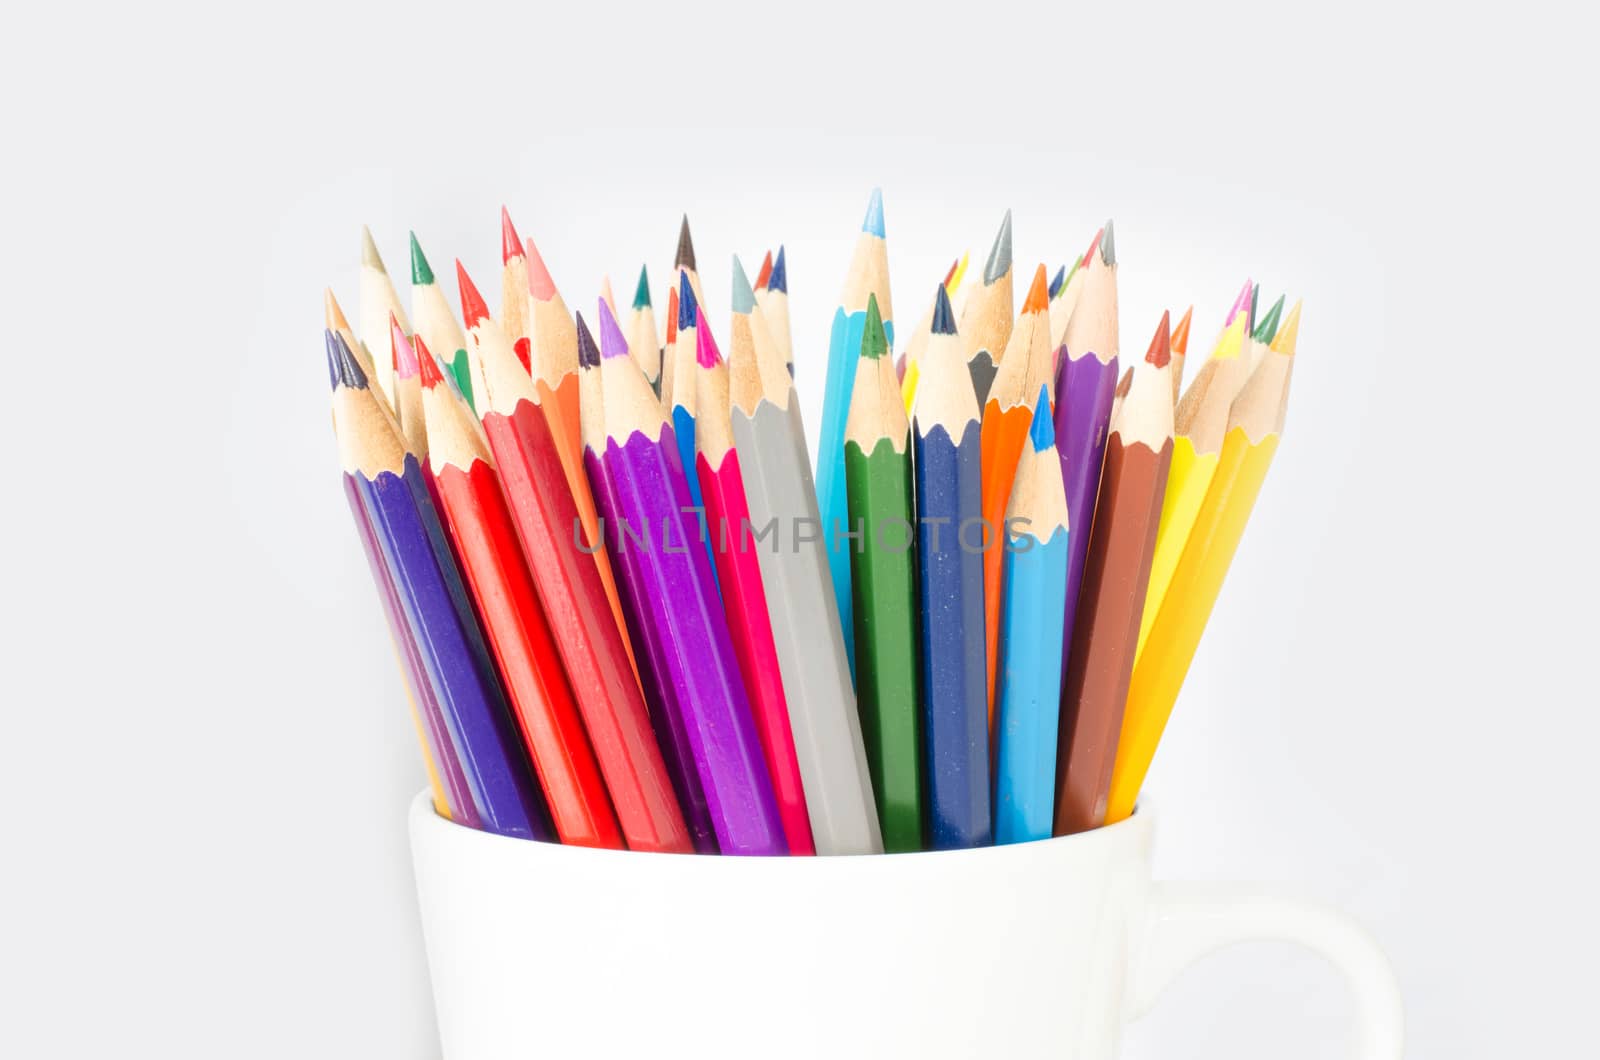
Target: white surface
1034	949
207	755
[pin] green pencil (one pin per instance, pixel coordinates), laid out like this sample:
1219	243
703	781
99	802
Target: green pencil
877	461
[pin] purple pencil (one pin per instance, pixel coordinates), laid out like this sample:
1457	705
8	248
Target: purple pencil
1086	382
665	717
671	584
457	798
489	750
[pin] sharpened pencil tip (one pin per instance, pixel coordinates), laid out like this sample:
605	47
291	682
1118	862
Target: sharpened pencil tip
428	371
1250	312
1160	352
1043	429
342	364
612	344
744	299
473	308
332	316
510	242
874	343
1000	254
1240	302
1057	282
944	317
641	293
401	353
672	315
588	352
706	353
1180	334
421	273
1288	335
688	307
1108	245
369	250
1268	327
1038	300
872	224
1124	384
778	281
540	285
763	273
685	256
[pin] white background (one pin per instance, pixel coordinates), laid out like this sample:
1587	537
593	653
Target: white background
206	749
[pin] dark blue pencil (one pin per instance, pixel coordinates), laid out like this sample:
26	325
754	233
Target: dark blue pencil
950	540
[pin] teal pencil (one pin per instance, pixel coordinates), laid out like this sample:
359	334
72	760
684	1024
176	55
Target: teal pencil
869	276
1029	695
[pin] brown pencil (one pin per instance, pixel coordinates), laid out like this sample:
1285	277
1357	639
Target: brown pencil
1115	576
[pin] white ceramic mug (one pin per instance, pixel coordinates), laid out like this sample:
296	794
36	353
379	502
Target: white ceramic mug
1034	950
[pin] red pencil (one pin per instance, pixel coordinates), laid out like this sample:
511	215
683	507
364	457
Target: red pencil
573	591
475	514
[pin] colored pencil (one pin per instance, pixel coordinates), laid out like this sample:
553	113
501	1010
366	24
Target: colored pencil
1024	368
1180	350
683	261
493	761
869	276
909	370
643	338
1259	340
646	474
1255	423
571	576
763	274
514	316
555	355
949	497
450	795
1063	303
1086	381
474	511
670	344
607	296
877	462
1199	426
986	316
773	297
681	402
378	300
1029	696
744	596
408	412
654	676
438	328
770	436
1115	576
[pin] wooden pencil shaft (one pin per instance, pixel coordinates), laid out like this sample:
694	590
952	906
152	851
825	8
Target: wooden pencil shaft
950	585
591	645
806	631
490	751
436	738
480	528
1116	575
885	609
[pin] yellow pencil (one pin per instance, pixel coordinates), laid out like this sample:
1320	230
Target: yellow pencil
1255	423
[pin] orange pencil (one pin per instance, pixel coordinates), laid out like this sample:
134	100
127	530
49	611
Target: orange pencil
1007	415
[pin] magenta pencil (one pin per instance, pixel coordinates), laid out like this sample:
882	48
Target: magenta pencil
674	588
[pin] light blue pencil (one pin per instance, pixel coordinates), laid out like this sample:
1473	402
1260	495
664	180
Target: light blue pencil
1029	694
869	275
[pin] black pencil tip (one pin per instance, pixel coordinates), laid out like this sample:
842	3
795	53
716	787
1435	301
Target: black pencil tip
944	317
588	352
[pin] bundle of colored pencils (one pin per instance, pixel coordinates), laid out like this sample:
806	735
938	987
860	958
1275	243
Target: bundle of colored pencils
628	614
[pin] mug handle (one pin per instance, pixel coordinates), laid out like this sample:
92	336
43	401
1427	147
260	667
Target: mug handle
1186	921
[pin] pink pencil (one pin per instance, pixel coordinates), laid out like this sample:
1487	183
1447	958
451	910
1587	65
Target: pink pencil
744	599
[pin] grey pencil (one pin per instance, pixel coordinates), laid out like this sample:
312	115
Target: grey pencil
770	437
